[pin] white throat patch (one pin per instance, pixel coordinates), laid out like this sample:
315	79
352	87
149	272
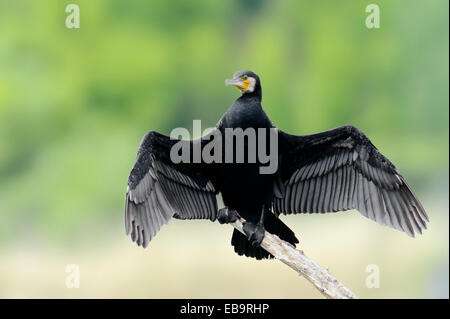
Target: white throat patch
251	86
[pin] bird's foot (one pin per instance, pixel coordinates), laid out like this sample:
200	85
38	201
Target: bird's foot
227	215
255	233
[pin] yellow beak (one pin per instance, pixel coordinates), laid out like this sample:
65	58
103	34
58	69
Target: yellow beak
239	83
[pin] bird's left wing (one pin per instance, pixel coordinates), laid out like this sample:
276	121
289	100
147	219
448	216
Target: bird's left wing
159	189
341	169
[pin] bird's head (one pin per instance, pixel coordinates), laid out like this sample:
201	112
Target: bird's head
246	81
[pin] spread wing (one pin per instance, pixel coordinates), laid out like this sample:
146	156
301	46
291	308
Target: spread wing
341	169
158	189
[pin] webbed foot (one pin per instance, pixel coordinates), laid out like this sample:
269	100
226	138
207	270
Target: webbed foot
255	233
227	215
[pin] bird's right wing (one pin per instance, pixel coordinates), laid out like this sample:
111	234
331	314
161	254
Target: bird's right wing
158	189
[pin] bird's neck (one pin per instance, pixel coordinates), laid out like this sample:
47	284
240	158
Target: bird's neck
252	96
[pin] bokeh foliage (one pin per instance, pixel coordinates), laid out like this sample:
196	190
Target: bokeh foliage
74	104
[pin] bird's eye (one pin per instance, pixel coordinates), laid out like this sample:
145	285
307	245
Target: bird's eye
244	77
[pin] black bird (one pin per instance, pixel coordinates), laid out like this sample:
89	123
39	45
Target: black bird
336	170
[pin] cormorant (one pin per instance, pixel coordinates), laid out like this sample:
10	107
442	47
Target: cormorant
336	170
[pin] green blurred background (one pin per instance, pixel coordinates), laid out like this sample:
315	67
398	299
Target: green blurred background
74	104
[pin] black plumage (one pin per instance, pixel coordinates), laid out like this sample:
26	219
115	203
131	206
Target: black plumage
332	171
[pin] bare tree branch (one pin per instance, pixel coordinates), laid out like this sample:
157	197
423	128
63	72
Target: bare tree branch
320	277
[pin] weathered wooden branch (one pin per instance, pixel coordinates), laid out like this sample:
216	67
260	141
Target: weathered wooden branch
320	277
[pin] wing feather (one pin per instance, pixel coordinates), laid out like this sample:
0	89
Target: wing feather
159	190
340	169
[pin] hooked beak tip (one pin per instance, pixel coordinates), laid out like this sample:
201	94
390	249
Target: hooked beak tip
234	82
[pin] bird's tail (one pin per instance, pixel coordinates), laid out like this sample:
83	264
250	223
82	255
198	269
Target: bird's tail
273	225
